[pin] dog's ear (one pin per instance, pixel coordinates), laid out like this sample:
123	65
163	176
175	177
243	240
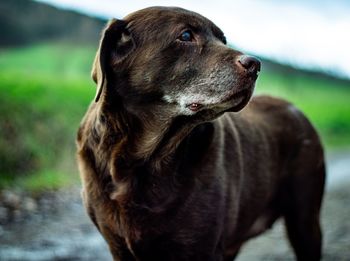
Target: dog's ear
115	45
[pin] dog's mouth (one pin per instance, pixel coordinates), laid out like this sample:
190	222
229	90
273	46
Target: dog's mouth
195	106
230	102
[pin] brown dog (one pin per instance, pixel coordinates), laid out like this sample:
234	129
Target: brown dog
170	169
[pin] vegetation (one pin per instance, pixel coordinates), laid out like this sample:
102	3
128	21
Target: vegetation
45	90
324	100
27	22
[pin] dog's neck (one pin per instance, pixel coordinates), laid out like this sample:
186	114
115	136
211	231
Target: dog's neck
159	139
157	153
143	138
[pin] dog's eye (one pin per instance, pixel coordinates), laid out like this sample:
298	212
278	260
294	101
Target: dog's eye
186	36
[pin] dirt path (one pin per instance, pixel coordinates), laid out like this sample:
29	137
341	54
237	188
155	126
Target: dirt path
63	231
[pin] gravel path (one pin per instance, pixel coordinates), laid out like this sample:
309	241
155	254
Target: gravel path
55	227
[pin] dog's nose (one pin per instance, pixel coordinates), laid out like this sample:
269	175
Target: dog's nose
250	63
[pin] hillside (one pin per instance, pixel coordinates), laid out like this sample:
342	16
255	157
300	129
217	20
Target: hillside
26	22
45	87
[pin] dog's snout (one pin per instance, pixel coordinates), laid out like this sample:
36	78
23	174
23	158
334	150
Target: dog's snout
249	63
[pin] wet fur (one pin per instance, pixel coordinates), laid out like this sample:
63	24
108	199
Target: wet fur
163	183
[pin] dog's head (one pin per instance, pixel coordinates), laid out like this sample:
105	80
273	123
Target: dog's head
174	61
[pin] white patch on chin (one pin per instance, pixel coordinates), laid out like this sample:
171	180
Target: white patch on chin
168	99
183	100
209	91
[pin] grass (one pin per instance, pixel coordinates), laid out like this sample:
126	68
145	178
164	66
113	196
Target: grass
40	180
44	94
324	101
45	90
49	61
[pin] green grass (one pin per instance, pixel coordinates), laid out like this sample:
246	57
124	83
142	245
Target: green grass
45	91
44	94
40	180
49	61
326	102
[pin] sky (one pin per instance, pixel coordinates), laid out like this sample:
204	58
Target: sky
309	34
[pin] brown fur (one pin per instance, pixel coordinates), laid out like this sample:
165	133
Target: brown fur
165	181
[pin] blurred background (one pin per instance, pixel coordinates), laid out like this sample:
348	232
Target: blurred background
46	51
